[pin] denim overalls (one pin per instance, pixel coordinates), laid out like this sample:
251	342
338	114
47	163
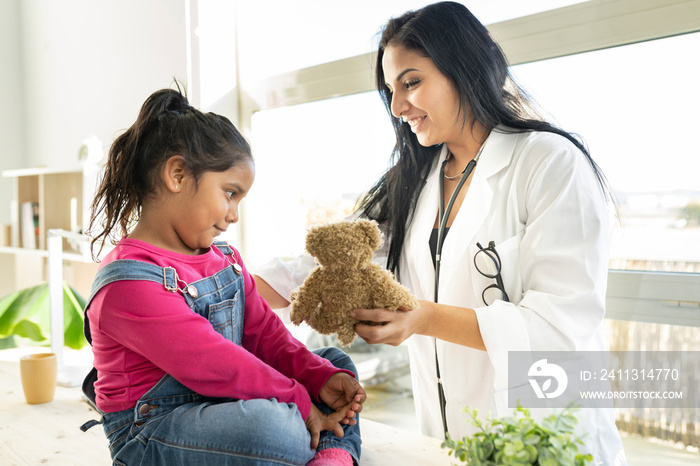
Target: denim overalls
172	424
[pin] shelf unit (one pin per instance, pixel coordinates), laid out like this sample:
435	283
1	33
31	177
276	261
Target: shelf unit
59	194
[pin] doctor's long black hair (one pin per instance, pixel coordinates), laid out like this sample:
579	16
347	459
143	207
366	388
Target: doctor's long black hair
464	51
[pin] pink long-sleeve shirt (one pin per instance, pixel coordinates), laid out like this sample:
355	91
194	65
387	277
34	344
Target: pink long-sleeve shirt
140	331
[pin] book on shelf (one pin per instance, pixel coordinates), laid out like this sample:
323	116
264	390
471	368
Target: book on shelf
5	235
29	214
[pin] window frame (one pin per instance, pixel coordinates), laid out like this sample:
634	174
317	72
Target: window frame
654	297
583	27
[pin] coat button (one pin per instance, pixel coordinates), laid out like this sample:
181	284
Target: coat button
144	409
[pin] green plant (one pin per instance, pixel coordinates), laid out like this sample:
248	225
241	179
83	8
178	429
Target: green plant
519	440
25	314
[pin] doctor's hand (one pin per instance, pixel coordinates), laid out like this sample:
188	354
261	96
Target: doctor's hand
448	323
393	326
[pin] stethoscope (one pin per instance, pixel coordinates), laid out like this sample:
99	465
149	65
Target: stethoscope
443	215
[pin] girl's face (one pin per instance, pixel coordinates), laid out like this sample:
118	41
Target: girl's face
207	210
422	96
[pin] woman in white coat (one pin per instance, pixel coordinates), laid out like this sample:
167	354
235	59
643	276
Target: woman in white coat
479	175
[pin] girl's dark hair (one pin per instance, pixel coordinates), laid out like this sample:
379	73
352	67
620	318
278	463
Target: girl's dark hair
167	125
464	51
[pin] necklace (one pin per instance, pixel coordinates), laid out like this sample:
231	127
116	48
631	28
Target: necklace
475	159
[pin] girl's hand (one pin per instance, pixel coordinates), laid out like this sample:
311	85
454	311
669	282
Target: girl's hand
395	326
317	421
343	394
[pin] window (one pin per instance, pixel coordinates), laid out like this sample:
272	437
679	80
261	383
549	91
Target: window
312	163
637	111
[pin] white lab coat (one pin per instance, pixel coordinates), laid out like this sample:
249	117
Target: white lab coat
534	195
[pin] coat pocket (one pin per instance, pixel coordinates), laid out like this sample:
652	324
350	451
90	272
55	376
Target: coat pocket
509	255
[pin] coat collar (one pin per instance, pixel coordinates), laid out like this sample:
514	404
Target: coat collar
496	155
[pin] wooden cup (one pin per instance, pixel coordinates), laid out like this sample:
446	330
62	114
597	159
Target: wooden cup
38	377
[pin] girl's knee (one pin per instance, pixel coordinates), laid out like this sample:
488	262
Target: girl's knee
337	357
269	418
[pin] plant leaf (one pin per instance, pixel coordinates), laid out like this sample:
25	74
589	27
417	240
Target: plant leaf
26	313
73	305
29	330
18	306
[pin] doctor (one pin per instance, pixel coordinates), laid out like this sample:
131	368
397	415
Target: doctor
496	220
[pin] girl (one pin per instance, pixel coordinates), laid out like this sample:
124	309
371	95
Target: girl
192	367
479	179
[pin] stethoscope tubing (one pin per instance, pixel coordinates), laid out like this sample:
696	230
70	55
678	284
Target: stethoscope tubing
443	215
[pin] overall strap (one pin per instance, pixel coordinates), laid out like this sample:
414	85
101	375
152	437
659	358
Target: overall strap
128	269
223	247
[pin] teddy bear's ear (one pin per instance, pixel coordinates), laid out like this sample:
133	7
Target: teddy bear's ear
313	238
371	230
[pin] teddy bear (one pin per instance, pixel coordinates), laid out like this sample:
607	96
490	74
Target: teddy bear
345	279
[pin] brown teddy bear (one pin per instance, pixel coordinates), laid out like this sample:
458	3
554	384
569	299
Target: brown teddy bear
346	279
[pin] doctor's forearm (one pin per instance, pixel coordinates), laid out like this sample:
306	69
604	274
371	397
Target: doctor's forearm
269	294
450	323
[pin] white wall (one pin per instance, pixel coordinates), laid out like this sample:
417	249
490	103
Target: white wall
75	68
88	67
78	68
11	108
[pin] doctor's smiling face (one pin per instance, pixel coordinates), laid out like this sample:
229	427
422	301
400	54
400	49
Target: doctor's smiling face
422	96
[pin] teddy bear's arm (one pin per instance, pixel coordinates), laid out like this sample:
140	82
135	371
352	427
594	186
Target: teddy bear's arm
305	299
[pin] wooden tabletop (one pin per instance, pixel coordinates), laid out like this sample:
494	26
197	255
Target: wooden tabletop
48	433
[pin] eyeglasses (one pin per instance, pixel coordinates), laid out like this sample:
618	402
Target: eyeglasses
488	263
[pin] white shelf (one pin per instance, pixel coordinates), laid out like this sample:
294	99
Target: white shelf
59	194
39	171
69	256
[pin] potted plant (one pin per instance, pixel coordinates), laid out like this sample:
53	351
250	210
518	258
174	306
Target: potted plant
25	314
520	440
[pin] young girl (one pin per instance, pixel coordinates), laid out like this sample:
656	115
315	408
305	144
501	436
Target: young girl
192	367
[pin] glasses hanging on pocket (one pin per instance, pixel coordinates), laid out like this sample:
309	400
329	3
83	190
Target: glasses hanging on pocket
488	263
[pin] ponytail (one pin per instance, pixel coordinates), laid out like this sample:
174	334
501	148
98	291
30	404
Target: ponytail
167	125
